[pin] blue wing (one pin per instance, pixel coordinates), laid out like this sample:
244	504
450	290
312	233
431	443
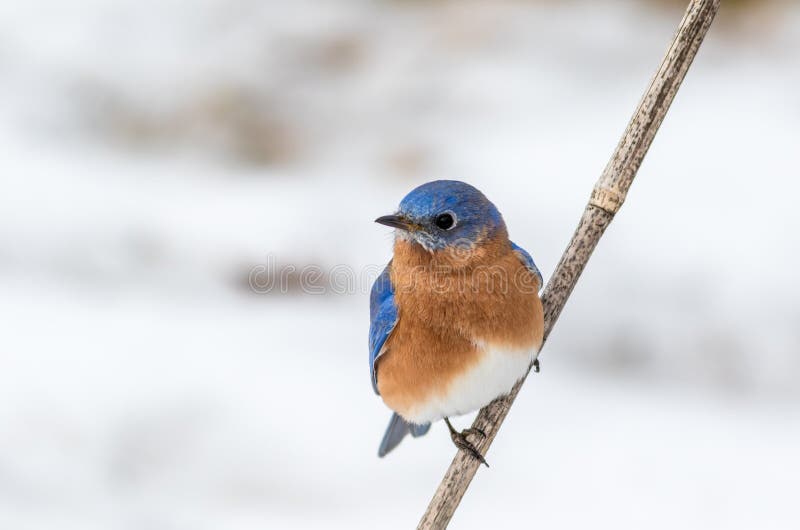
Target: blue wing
382	319
527	260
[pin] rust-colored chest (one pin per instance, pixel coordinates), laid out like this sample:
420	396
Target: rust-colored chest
450	307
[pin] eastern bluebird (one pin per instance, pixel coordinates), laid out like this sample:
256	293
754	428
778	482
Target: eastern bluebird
455	317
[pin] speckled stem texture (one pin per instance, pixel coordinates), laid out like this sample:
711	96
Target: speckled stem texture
606	199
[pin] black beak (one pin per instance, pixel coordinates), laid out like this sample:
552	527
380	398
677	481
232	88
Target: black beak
396	221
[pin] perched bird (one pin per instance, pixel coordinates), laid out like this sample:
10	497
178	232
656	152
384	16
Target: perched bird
455	317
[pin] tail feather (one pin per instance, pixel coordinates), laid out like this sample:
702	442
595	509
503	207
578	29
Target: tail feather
419	430
397	430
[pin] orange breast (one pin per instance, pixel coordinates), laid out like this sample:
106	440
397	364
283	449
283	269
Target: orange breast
446	305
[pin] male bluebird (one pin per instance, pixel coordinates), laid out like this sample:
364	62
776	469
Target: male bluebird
455	317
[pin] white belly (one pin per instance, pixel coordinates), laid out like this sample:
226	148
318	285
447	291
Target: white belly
492	377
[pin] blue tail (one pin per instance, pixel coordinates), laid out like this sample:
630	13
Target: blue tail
397	430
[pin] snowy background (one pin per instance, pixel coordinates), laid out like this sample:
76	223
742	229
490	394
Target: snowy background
154	154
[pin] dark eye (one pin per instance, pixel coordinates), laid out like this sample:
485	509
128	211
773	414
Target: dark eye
444	221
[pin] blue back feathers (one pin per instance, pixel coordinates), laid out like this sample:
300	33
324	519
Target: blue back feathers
527	260
382	319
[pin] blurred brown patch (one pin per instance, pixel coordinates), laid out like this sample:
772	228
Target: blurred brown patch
407	159
235	123
338	53
273	278
751	17
253	131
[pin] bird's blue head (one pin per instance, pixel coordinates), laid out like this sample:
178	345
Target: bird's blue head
445	213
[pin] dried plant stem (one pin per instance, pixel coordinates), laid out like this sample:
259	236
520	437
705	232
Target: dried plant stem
606	199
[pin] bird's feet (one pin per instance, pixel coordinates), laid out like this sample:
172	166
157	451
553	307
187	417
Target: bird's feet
536	367
460	441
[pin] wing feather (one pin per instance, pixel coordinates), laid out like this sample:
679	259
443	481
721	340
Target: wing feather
527	260
383	318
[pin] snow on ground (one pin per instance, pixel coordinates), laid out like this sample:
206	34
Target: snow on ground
155	153
134	414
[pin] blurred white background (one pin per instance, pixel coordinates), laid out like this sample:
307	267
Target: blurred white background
155	152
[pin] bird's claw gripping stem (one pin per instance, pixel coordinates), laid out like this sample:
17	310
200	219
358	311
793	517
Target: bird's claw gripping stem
460	441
